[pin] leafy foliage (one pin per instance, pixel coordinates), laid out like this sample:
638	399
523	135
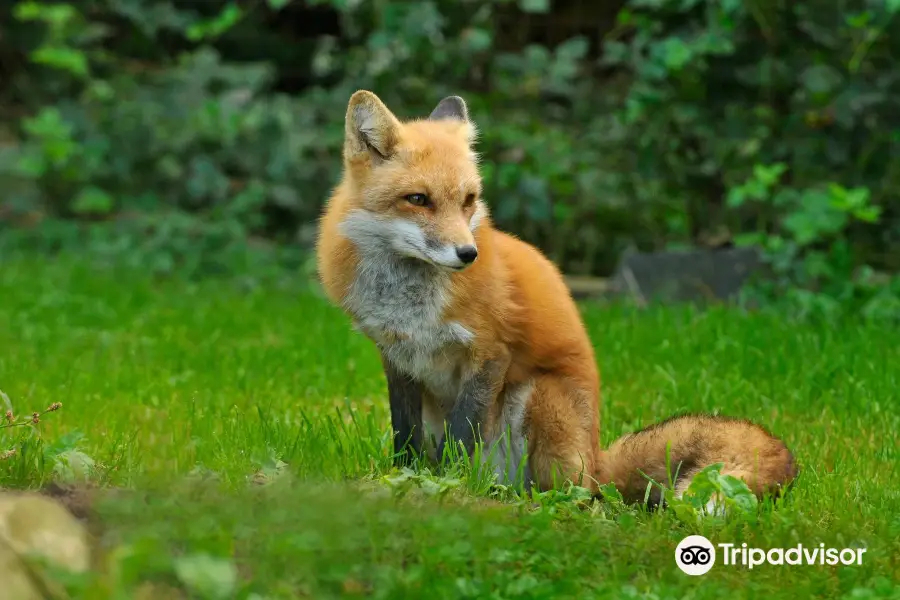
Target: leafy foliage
181	130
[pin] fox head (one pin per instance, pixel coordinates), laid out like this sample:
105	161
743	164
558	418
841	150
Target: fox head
415	186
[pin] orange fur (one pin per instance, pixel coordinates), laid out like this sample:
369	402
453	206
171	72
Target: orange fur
514	303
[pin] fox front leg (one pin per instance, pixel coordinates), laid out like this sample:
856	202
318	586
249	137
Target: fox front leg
477	394
405	396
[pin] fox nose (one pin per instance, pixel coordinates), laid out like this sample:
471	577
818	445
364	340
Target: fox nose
467	254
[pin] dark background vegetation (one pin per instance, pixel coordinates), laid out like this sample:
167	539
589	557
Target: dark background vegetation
194	136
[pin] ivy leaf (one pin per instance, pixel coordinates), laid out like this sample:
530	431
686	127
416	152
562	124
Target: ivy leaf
477	39
868	214
610	493
66	59
676	53
573	49
535	6
216	26
821	79
73	465
92	200
768	175
736	197
207	576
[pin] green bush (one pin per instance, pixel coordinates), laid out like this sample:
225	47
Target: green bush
180	135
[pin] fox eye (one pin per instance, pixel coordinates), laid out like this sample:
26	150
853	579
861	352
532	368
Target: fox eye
417	199
470	200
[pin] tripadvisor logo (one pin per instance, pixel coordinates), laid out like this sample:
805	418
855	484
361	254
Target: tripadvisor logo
696	555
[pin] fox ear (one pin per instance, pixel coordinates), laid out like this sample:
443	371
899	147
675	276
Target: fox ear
370	127
451	107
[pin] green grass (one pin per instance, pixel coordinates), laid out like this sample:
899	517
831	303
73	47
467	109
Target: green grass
185	394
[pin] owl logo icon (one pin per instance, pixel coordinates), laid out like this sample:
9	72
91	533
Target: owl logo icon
695	555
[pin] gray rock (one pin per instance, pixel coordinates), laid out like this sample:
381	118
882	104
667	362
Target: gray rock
701	275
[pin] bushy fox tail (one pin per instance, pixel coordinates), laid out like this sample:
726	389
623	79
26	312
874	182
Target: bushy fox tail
748	452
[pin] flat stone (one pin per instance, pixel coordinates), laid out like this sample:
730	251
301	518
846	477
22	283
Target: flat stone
700	275
32	525
581	286
15	579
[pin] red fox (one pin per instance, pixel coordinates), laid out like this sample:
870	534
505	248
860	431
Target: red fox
479	335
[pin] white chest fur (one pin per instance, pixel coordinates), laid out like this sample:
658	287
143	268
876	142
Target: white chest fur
399	303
